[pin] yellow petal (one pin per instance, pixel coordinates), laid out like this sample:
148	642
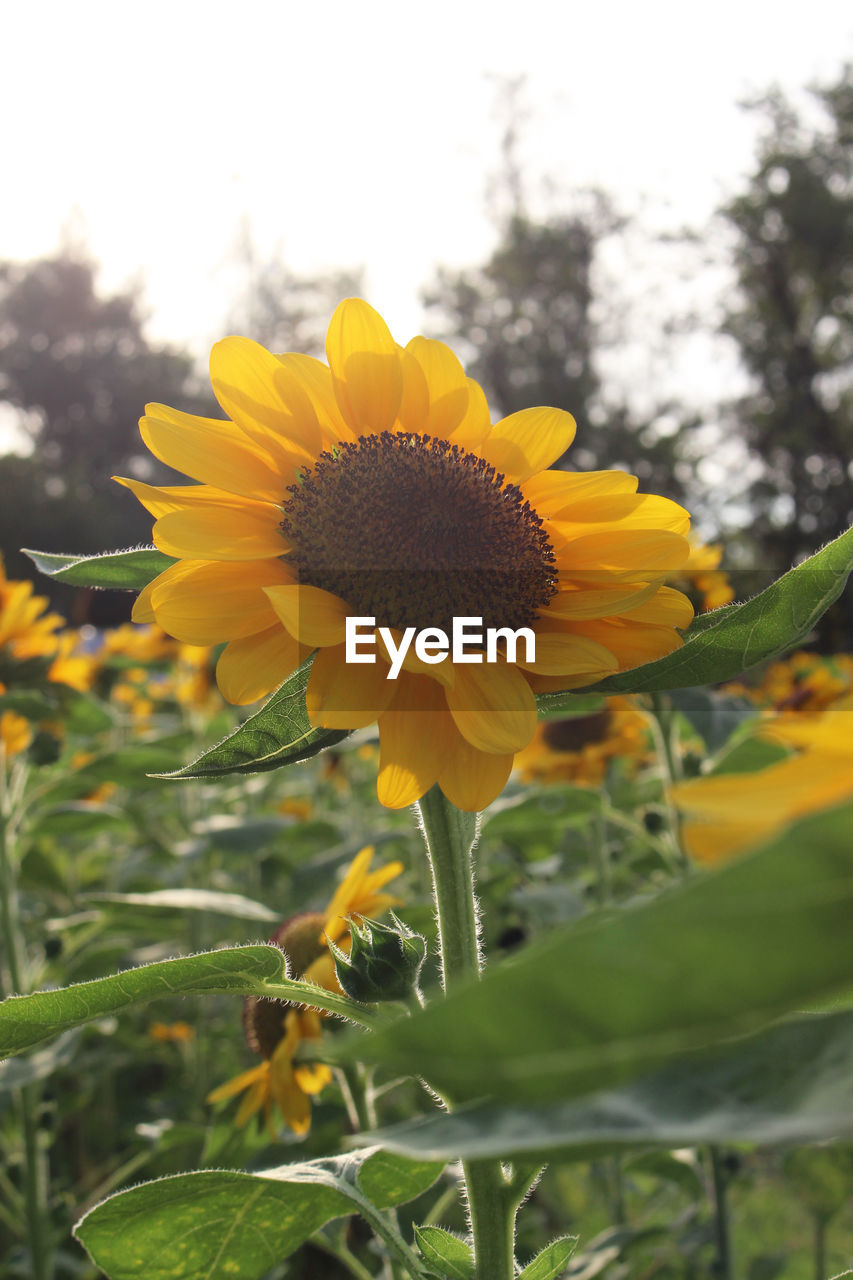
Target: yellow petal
528	441
214	452
632	643
316	379
414	402
562	653
345	696
447	386
265	398
251	668
632	510
312	615
472	779
551	492
414	736
493	707
221	533
203	602
578	600
161	499
142	610
666	608
252	1103
232	1087
629	554
349	888
366	370
477	423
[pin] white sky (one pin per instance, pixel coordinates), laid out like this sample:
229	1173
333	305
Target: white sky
364	134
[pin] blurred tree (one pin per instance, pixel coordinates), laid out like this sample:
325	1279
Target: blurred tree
284	311
527	322
75	372
793	323
524	322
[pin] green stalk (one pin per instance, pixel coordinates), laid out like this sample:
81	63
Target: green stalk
664	732
29	1096
450	835
722	1224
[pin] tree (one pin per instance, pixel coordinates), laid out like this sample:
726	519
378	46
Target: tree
792	321
285	311
525	323
76	370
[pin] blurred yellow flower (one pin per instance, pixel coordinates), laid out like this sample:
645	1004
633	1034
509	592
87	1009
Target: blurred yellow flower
275	1029
377	486
730	813
801	682
171	1032
579	749
16	734
702	576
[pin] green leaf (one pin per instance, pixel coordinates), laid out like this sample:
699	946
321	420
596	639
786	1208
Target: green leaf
122	570
223	904
566	706
278	734
620	992
255	970
450	1256
217	1223
552	1261
77	819
790	1084
714	716
721	644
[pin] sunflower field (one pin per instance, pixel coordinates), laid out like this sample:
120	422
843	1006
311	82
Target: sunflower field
334	948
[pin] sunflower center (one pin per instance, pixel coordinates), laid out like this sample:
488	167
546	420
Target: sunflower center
415	531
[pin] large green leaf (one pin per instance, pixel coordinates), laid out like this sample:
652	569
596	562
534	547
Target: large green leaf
721	644
255	970
792	1083
238	1226
623	991
122	570
278	734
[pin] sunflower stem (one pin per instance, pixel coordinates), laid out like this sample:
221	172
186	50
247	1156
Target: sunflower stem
450	836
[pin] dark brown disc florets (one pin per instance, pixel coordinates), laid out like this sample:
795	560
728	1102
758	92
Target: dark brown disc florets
263	1020
415	531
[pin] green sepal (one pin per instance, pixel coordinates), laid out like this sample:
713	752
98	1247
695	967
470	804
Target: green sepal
129	570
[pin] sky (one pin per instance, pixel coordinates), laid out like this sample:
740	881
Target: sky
366	135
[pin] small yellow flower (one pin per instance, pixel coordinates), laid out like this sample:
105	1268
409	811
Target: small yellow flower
378	486
275	1029
171	1032
730	813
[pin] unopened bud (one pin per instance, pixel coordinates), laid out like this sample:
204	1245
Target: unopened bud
383	962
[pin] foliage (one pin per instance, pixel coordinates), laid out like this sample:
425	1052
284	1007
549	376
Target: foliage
791	321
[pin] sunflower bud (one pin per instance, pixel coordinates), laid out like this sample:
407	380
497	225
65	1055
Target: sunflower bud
383	962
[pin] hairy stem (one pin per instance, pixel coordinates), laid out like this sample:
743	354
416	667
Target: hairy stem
450	835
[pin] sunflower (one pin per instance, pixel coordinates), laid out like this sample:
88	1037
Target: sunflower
376	486
730	813
579	750
275	1029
